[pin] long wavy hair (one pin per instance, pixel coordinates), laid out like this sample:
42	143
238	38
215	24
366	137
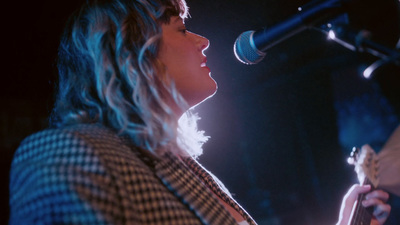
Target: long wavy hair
109	73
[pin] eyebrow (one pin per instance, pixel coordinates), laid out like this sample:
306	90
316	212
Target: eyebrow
178	19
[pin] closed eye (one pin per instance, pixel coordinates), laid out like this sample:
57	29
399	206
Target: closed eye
184	30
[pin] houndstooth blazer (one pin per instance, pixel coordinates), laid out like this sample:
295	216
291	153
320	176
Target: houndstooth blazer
86	174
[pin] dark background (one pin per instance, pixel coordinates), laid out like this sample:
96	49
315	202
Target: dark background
280	130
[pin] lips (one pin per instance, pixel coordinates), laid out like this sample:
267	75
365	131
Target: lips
203	64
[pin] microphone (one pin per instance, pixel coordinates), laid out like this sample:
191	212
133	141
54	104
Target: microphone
250	47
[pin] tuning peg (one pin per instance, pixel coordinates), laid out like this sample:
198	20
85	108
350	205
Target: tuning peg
353	156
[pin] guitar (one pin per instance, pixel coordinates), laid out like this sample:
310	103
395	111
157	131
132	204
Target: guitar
366	165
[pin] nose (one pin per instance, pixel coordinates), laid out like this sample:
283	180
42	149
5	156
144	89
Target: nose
205	43
202	42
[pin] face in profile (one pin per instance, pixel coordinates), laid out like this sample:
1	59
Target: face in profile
182	54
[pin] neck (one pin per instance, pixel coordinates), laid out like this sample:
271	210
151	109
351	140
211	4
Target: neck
362	215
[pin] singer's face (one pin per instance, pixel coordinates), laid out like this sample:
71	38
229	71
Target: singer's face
182	54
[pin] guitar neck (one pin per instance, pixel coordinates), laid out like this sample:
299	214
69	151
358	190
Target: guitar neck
362	215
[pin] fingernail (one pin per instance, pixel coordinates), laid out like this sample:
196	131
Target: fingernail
364	203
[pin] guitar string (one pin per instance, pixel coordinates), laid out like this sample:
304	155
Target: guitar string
362	214
358	212
367	212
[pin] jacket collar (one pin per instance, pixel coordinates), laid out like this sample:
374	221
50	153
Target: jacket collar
191	191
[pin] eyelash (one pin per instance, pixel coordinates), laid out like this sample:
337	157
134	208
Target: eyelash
184	31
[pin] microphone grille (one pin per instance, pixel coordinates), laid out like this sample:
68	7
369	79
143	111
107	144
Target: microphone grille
245	49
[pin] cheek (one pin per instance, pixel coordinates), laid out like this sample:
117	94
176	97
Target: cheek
179	64
170	55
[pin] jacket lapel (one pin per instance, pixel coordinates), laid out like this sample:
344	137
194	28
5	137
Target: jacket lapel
189	189
214	184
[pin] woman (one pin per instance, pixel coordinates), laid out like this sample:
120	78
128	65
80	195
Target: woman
118	152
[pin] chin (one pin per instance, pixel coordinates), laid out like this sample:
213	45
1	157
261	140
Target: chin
196	94
195	102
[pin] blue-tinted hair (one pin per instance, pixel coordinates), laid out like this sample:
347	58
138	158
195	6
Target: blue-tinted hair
109	73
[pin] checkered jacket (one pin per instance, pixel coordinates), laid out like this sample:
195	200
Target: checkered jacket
86	174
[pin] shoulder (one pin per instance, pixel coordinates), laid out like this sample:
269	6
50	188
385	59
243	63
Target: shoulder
66	135
91	146
73	150
70	174
79	139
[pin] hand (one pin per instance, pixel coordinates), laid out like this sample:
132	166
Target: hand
377	199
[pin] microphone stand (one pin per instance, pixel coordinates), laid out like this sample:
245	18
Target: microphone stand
359	41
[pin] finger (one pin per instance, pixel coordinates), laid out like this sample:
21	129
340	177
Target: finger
348	201
381	213
354	191
379	194
372	202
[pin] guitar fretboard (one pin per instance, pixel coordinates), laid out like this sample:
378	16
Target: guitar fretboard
362	215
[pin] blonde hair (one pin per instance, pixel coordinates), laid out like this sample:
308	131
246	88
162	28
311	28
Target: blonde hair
109	73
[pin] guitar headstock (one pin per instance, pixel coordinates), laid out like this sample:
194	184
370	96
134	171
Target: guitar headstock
366	164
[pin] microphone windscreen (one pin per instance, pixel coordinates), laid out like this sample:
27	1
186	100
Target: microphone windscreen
245	49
